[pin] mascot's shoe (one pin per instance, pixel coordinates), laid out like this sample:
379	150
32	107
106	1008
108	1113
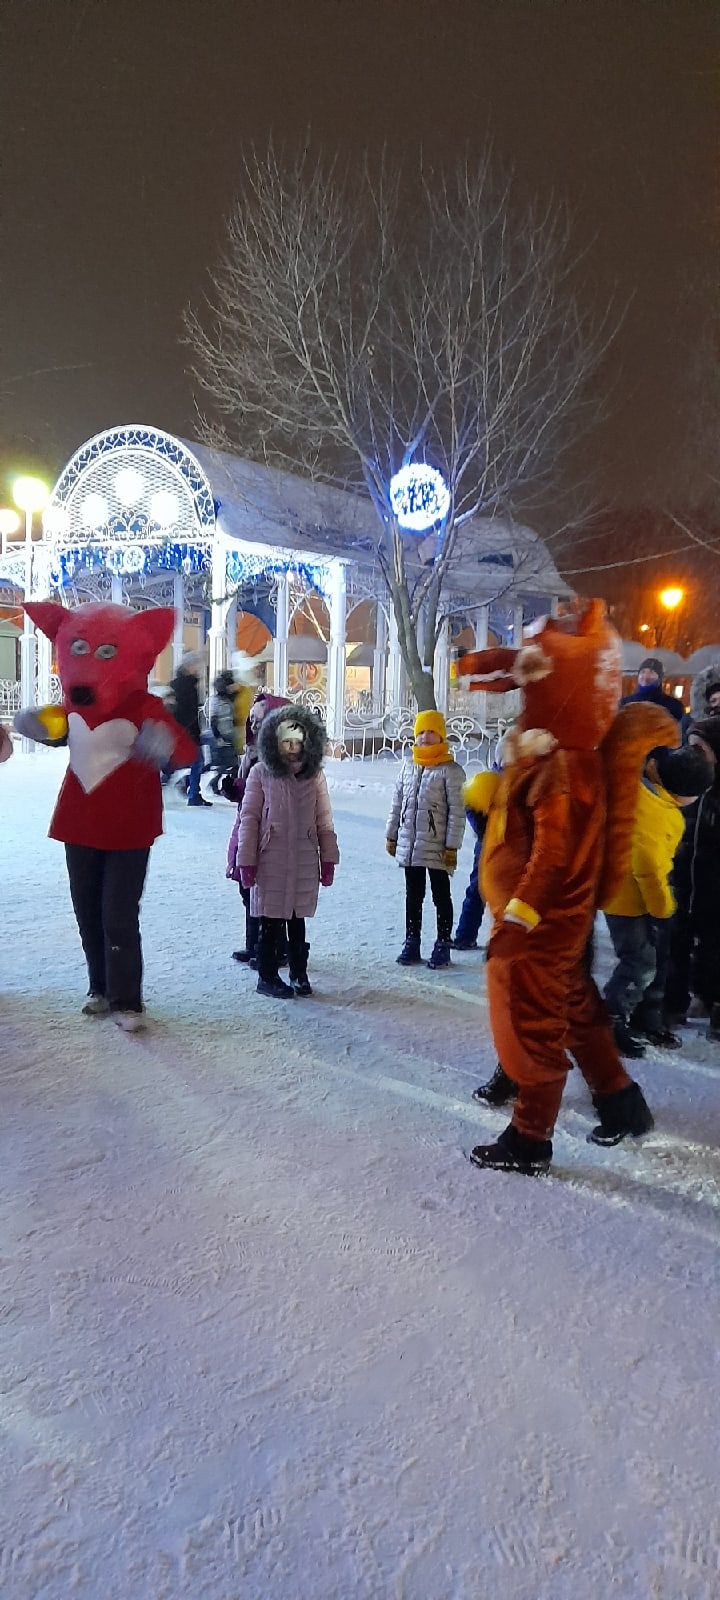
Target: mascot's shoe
515	1152
628	1042
621	1114
440	954
498	1090
410	954
129	1021
275	988
96	1006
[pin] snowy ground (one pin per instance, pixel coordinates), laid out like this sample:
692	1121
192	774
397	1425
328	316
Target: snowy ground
265	1334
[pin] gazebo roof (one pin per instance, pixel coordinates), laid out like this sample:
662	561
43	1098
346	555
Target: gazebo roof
265	505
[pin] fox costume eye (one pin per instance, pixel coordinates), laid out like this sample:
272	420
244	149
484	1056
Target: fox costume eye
105	652
79	647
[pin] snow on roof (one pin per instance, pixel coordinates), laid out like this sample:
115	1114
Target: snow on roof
269	506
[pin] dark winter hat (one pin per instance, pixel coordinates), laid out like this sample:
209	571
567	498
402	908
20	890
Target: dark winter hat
683	772
712	687
653	664
709	730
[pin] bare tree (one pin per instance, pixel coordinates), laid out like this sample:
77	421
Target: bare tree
361	320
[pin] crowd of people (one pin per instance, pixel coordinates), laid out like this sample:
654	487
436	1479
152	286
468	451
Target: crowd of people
547	853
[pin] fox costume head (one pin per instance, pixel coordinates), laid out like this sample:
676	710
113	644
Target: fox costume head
103	652
569	672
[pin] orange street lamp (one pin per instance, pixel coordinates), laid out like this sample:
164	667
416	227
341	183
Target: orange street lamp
672	598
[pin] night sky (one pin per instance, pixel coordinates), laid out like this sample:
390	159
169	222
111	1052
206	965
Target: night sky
122	123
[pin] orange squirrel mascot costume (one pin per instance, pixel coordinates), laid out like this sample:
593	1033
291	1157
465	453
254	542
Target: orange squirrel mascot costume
540	874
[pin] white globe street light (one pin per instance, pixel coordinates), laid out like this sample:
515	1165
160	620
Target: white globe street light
419	497
30	494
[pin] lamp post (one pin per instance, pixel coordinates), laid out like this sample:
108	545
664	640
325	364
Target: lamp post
30	495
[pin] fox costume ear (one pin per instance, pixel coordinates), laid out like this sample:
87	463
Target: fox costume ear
151	630
47	616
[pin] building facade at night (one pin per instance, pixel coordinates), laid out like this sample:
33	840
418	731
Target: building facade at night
260	561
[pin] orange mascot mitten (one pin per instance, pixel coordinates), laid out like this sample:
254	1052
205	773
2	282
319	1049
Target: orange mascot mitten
540	872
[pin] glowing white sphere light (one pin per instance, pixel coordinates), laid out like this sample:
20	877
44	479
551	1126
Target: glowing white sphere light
129	486
94	510
165	507
30	494
56	520
419	497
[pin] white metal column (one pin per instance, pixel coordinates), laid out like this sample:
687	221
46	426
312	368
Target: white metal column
379	666
217	636
517	633
336	652
280	642
42	588
482	628
178	638
28	641
116	588
441	668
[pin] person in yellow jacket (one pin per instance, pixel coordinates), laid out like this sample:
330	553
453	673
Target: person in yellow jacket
639	914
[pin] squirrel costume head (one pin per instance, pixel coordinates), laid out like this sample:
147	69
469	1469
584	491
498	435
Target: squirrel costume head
104	652
569	671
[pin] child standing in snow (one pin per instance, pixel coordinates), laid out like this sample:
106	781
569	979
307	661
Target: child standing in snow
424	833
694	965
233	787
639	914
286	842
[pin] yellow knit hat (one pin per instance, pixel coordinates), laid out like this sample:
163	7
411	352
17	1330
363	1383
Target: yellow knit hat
430	722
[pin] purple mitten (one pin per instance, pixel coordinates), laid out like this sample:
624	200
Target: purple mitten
327	874
248	877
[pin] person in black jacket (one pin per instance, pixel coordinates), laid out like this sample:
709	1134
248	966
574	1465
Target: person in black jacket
650	689
186	710
695	933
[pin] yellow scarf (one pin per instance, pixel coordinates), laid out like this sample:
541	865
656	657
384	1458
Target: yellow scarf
431	755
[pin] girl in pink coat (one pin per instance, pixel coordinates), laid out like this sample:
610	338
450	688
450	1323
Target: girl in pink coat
233	787
286	842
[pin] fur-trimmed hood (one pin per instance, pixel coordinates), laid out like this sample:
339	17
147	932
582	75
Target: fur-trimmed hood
700	686
314	747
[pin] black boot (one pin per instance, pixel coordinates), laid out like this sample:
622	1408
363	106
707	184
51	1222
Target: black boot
498	1090
440	954
713	1031
663	1038
298	975
275	988
629	1043
410	954
515	1152
245	956
622	1113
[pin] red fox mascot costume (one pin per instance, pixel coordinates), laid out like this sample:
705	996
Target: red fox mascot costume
109	810
540	874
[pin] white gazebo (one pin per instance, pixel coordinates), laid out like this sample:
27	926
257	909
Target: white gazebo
142	518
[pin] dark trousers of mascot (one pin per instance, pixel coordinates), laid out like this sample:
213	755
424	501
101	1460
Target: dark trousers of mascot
106	887
543	1006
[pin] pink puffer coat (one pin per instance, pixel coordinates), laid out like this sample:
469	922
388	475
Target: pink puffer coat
286	831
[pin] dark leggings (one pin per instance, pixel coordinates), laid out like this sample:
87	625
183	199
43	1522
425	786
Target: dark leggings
415	895
271	945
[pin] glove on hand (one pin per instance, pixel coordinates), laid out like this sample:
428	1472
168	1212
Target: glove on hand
327	873
248	877
154	745
449	860
43	724
391	846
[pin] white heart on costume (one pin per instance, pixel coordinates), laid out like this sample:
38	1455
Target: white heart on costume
96	752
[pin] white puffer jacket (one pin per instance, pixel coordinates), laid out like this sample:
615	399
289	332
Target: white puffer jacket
427	816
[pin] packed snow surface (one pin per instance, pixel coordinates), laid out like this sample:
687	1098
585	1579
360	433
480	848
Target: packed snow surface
266	1334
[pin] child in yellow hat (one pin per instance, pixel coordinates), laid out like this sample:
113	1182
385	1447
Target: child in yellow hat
424	833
